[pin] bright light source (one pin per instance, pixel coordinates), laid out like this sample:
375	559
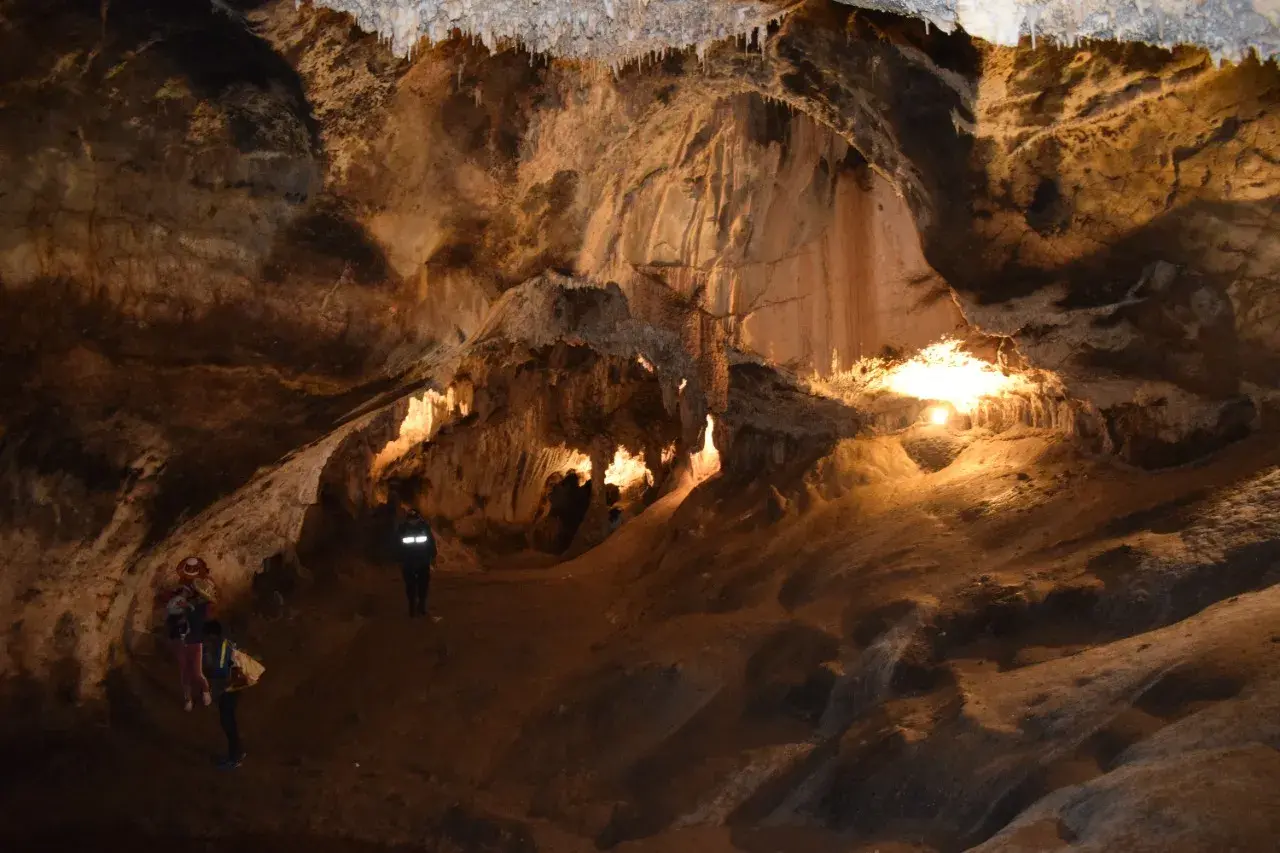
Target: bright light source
408	540
945	372
938	415
683	382
626	470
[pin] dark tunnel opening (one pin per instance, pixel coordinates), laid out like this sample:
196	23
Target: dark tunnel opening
568	500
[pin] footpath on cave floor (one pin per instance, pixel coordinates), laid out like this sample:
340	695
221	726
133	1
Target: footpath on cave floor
365	715
359	703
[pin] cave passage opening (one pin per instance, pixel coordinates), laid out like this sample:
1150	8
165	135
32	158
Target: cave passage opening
567	502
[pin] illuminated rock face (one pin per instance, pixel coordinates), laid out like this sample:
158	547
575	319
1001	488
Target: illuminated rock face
772	222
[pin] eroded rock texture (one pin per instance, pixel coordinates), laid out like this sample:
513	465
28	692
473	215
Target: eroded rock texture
1124	175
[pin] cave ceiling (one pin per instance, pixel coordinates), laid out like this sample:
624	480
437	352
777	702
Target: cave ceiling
621	30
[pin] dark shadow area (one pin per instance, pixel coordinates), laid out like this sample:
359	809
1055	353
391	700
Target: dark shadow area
214	51
468	830
1167	517
1244	569
49	316
41	444
275	585
848	65
549	208
212	466
132	43
334	529
768	123
1049	212
127	839
764	446
1105	276
30	754
1186	690
488	112
568	499
785	675
327	242
74	365
1135	432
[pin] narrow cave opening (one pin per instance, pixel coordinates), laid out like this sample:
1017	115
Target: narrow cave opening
1049	210
568	501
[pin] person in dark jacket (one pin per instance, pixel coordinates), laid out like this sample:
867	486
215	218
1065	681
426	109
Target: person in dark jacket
417	547
186	611
219	664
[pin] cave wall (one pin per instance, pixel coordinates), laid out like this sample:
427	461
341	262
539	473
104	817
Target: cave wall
328	209
172	271
1125	197
1102	206
181	304
1098	164
475	171
164	165
486	474
775	224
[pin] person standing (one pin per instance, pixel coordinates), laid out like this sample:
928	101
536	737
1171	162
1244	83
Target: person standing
417	548
186	611
230	672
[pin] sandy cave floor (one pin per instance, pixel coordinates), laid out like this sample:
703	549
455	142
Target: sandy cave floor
967	622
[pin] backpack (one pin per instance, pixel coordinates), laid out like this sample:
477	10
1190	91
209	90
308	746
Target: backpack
177	604
176	609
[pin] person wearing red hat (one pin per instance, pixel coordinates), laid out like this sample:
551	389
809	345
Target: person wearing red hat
192	568
186	611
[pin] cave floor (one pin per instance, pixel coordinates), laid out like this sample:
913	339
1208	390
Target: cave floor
1029	635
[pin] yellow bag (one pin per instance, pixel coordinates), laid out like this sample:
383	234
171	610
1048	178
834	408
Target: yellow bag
246	670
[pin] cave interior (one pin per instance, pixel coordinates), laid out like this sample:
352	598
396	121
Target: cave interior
843	426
